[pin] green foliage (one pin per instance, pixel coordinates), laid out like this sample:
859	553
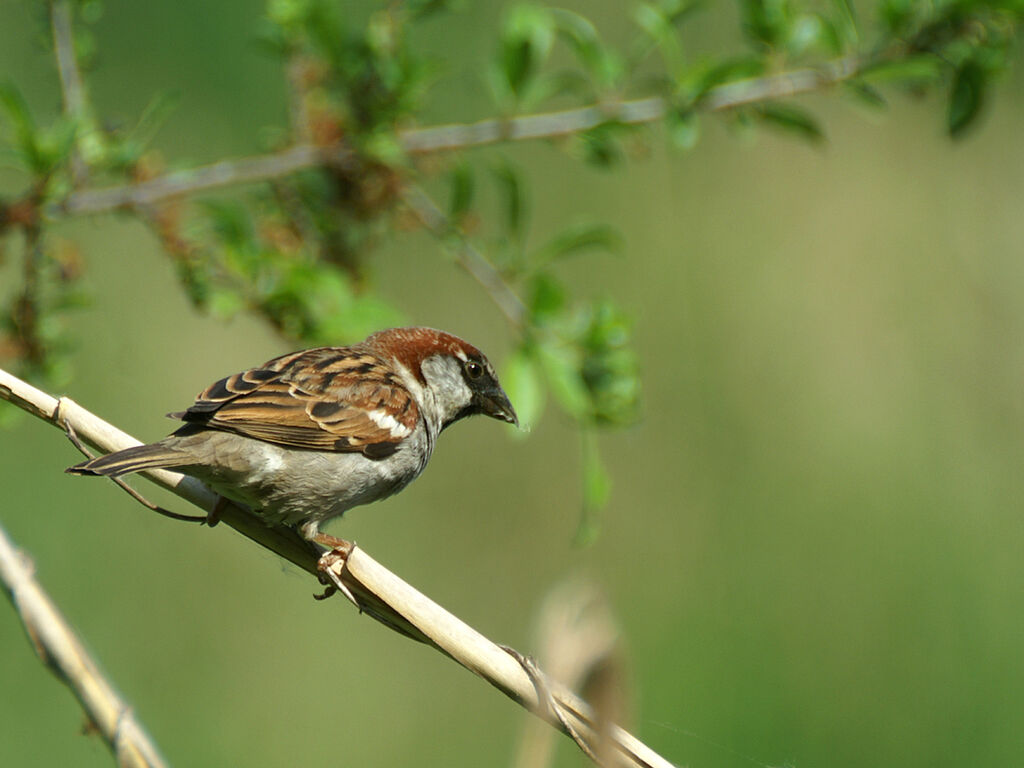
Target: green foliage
296	250
40	150
275	272
522	378
360	81
527	34
34	322
793	119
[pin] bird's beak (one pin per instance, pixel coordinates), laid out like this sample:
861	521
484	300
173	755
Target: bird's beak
495	403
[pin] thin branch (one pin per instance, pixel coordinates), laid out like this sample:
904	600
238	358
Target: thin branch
71	84
468	256
783	85
380	593
60	649
549	125
554	125
61	20
225	173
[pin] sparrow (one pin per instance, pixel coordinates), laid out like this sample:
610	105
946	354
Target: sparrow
309	435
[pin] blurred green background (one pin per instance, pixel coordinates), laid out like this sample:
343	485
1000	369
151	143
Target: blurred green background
814	543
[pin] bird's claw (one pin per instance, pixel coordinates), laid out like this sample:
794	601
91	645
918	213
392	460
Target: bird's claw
330	567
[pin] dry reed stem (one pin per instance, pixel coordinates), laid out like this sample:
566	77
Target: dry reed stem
381	594
57	645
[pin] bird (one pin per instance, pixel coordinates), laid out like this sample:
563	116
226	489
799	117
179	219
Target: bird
307	436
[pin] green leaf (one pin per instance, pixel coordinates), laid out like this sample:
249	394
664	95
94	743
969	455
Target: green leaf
807	32
708	75
967	96
522	380
360	316
596	490
90	11
55	143
768	22
547	299
916	70
601	145
231	222
791	119
683	128
18	114
561	368
659	27
40	150
676	11
462	190
608	365
865	94
565	83
526	39
513	204
153	117
224	303
600	61
578	238
845	25
424	8
896	15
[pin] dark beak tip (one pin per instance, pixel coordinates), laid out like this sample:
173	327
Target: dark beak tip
503	411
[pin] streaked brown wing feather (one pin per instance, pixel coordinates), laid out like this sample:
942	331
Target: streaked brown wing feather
334	399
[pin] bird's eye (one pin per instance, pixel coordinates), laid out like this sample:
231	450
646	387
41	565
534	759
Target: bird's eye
473	369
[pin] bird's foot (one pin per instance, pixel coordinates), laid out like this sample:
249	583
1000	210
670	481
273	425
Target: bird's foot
332	564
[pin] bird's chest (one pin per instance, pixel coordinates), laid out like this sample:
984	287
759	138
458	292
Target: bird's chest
293	486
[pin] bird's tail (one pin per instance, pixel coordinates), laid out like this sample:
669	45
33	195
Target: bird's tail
153	456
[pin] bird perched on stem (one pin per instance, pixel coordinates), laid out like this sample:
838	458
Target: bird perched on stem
307	436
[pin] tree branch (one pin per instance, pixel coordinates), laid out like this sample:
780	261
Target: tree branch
71	86
380	593
554	125
225	173
550	125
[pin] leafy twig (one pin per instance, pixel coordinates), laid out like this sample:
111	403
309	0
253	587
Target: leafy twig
381	594
203	179
554	125
549	125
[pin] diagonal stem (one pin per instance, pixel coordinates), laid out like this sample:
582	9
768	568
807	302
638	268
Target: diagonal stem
468	255
56	643
380	593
